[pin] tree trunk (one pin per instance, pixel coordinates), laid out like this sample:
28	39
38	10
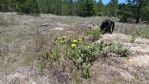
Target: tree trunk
139	12
137	19
59	6
49	6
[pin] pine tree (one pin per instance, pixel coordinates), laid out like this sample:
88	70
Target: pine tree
53	6
27	7
67	7
6	5
123	12
113	6
70	7
58	7
100	7
145	12
86	8
137	8
49	6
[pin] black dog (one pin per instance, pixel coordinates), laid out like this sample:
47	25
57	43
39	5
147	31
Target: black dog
107	26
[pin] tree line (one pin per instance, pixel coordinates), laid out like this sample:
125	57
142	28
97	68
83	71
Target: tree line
132	9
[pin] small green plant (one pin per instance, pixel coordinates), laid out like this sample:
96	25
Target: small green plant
86	70
39	40
143	32
41	67
42	52
27	7
58	48
119	49
83	54
55	52
3	21
96	33
133	38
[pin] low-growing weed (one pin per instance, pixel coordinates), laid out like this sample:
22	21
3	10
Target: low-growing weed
84	54
119	49
133	38
143	32
96	33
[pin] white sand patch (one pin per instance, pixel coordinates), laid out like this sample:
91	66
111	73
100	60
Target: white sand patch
58	28
141	61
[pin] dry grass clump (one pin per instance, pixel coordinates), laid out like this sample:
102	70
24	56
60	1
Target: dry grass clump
9	19
143	32
3	21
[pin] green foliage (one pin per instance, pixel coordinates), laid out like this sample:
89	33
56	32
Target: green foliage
123	13
80	52
55	52
136	9
44	6
86	8
84	54
133	38
27	7
119	49
41	67
86	70
113	6
58	49
100	8
145	12
3	6
143	32
68	7
96	33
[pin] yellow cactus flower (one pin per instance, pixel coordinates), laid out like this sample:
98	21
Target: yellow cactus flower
64	37
74	41
73	45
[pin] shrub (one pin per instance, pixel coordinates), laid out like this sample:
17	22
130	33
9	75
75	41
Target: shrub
58	48
83	54
86	8
86	70
96	33
119	49
133	38
3	21
27	7
143	32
